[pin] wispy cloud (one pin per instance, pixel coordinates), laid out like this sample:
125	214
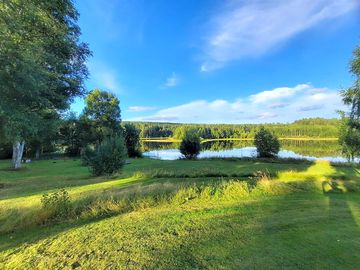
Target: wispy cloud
245	28
171	81
105	78
141	108
275	94
300	101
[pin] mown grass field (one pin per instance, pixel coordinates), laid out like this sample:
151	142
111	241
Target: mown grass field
205	214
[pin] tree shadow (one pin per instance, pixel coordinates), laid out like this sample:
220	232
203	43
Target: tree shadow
38	233
303	230
298	230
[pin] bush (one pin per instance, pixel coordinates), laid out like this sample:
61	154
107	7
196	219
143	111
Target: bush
190	146
57	203
132	140
267	144
108	158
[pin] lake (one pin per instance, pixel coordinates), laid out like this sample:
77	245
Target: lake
310	150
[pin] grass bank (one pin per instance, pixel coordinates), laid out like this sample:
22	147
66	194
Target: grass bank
205	214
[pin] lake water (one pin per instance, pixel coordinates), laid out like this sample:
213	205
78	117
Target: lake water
309	150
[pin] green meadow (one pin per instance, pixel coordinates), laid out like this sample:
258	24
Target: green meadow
200	214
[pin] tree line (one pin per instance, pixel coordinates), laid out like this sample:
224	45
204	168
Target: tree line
314	128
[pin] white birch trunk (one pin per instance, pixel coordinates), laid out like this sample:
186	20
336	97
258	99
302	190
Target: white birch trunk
18	150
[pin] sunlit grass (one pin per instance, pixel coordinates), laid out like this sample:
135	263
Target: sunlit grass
176	214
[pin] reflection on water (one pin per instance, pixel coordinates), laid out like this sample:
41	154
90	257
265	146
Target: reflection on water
311	150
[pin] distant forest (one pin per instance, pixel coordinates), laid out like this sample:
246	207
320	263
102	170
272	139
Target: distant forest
305	128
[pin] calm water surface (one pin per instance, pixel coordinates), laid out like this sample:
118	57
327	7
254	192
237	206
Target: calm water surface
310	150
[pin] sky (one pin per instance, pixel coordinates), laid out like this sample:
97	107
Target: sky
221	61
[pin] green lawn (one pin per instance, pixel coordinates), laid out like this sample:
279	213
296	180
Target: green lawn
206	214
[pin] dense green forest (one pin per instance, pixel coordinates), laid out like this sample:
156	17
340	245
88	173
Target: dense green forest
305	128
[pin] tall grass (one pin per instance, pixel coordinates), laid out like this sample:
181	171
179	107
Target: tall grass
142	197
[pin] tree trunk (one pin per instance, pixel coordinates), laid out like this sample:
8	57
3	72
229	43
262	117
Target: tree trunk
37	152
18	150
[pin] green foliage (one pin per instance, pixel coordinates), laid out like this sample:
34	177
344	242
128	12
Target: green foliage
267	144
190	146
349	135
42	67
74	134
308	128
349	139
103	114
132	140
38	72
108	158
56	204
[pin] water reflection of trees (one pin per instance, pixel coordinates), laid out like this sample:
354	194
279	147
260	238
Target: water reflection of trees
151	146
306	148
313	148
225	145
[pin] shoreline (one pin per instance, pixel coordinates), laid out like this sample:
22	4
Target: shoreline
171	140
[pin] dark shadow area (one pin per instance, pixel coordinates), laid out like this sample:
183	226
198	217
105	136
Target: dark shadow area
130	190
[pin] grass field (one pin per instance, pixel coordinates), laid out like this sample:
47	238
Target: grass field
205	214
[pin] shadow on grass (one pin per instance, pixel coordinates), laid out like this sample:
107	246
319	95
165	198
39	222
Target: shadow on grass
278	231
19	237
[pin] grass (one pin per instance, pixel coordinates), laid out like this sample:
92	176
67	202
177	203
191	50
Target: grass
205	214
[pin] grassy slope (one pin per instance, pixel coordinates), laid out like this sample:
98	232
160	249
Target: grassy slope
276	225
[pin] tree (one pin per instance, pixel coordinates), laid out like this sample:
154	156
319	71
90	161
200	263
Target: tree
349	135
42	65
103	113
190	146
108	157
267	144
46	133
132	140
69	135
349	139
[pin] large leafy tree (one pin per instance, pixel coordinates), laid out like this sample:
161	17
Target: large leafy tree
190	146
42	65
267	144
349	137
103	113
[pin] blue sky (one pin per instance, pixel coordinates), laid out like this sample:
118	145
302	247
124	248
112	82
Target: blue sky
228	61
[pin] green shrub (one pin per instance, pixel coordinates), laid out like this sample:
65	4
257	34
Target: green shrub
56	204
190	146
132	140
108	158
267	144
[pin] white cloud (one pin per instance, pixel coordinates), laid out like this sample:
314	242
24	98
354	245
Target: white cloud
105	78
253	27
277	93
171	81
301	101
141	108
